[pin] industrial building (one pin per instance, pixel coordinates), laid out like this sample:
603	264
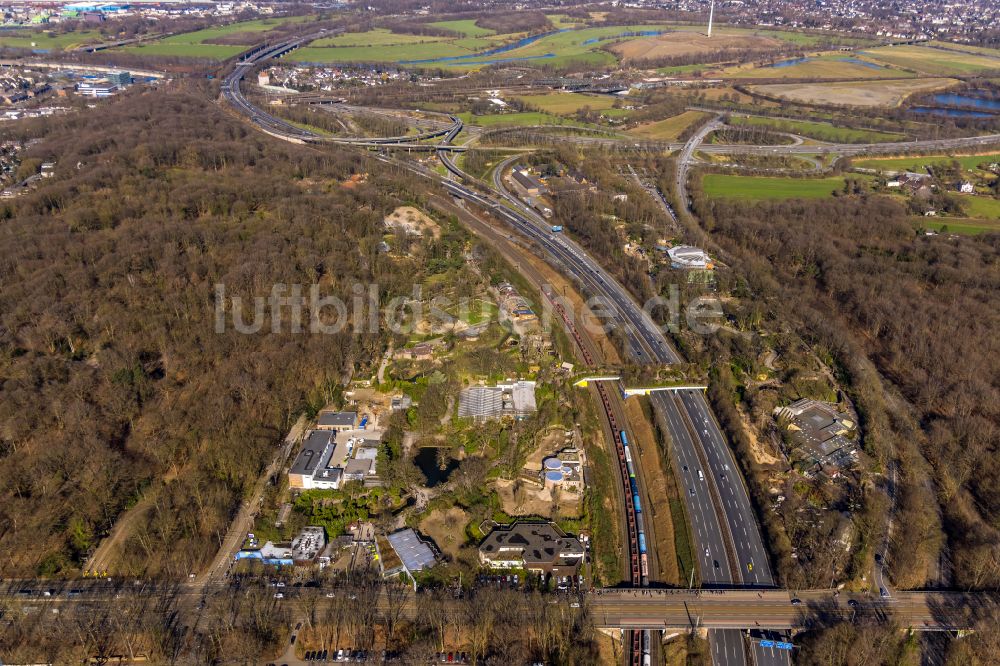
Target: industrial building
528	184
537	547
100	88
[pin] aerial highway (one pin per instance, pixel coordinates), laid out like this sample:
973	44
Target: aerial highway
729	544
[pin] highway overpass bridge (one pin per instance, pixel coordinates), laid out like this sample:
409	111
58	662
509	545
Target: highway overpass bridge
622	608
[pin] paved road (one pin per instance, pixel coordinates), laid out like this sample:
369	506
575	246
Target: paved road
652	609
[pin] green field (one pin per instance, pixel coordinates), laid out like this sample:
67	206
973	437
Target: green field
193	44
560	21
396	53
959	226
921	163
526	118
819	130
982	208
928	60
376	37
46	41
260	25
669	129
762	188
968	48
567	103
466	27
565	47
206	51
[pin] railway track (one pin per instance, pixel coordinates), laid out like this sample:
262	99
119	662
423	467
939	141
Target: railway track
637	641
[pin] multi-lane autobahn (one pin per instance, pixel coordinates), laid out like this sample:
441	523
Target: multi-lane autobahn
728	541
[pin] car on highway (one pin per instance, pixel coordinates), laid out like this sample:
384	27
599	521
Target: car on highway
796	602
878	558
853	603
715	563
691	490
884	593
279	595
749	566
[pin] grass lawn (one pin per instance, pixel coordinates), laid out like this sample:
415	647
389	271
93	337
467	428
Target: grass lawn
192	44
981	50
577	45
526	118
983	208
819	130
47	41
668	129
566	103
376	37
966	227
562	21
206	51
391	53
465	27
260	25
929	60
761	188
920	164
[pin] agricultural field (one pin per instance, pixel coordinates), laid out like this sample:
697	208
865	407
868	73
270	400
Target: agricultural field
920	163
967	48
526	118
198	44
983	208
426	50
464	27
818	130
560	21
818	67
669	129
965	227
376	37
853	93
762	188
45	40
687	43
929	60
563	103
582	45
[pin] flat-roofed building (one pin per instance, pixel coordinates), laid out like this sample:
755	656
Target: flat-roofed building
326	458
686	256
336	421
536	547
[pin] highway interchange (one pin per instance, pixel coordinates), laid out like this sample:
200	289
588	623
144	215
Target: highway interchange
729	545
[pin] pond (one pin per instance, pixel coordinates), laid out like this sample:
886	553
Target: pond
974	101
426	461
952	113
789	63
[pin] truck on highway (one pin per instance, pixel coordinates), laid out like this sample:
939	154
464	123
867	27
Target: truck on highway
701	477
